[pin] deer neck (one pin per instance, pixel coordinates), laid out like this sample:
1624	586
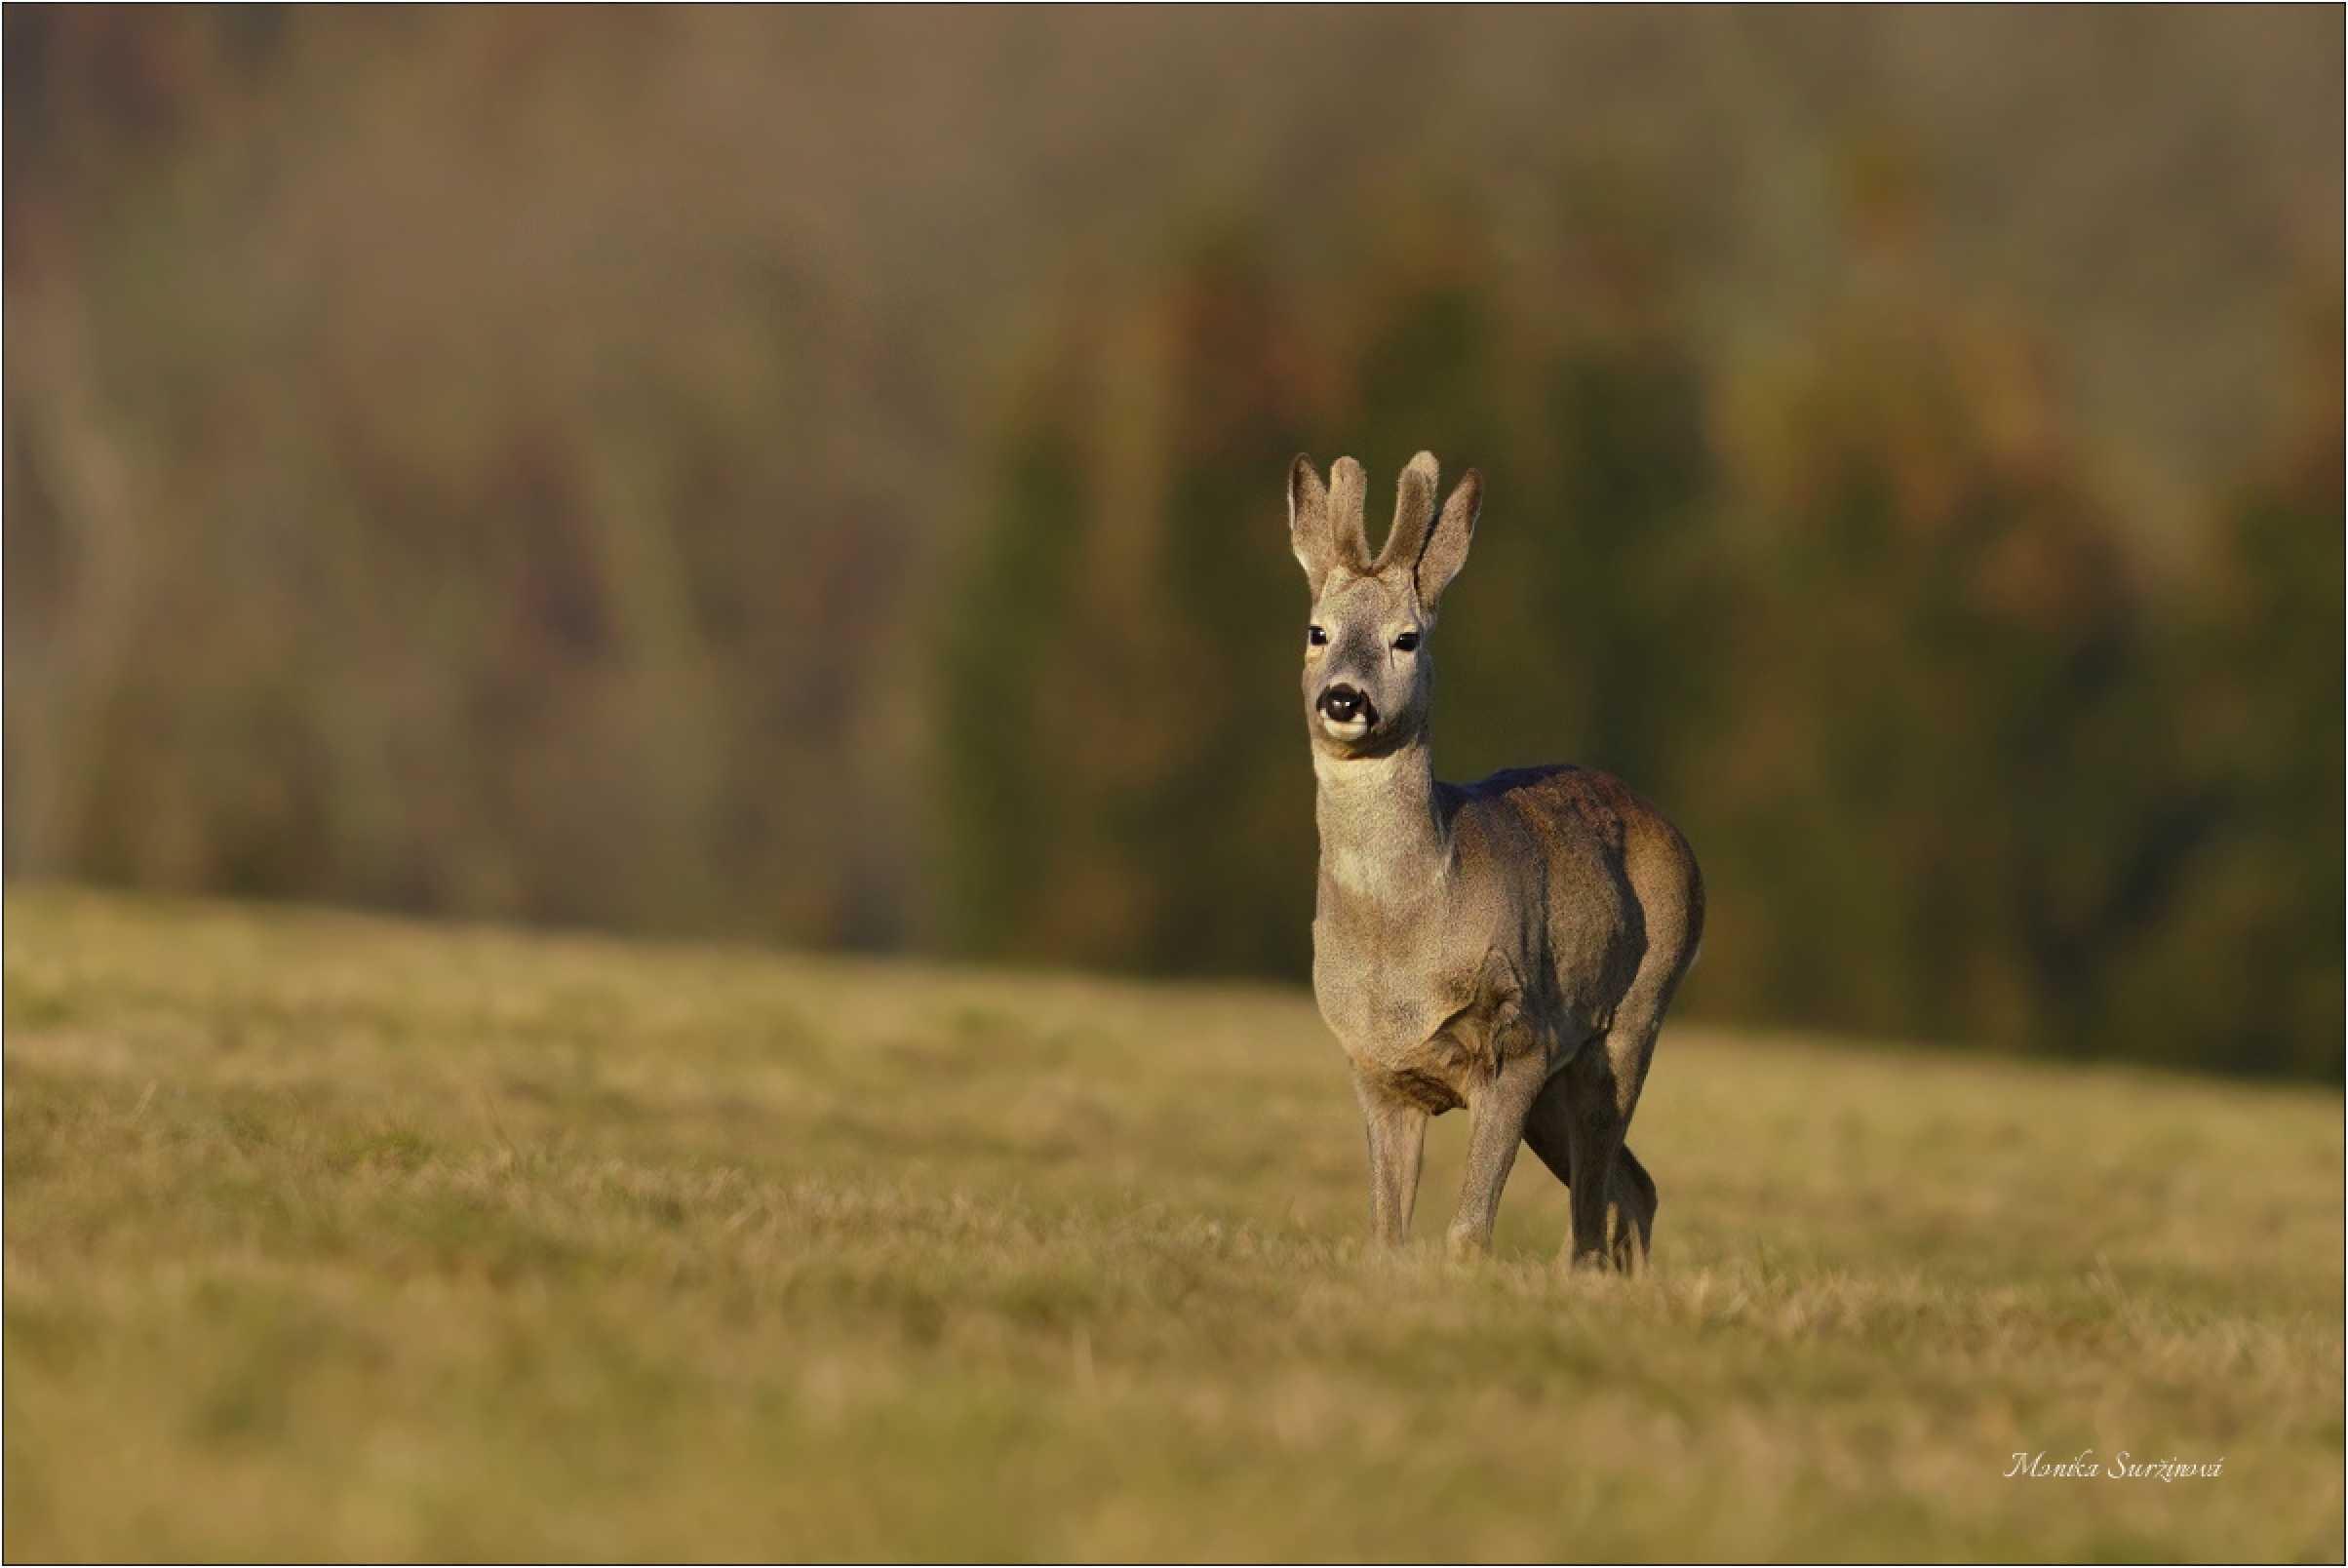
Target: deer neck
1381	835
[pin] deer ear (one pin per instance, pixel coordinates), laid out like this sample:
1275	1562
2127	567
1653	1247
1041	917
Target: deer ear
1308	522
1447	546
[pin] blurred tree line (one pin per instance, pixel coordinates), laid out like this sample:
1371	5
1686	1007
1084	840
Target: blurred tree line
817	476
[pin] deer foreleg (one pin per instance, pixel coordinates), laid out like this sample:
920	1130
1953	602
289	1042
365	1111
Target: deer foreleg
1497	1114
1398	1138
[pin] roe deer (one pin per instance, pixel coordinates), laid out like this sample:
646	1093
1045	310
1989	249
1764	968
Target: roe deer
1509	946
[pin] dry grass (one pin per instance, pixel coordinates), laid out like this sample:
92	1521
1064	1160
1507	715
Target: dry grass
339	1238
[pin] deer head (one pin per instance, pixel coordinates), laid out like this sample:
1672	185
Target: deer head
1368	665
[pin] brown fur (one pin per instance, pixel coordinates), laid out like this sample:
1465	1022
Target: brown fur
1509	946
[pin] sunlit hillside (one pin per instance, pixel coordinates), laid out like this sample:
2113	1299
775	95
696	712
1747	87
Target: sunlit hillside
339	1237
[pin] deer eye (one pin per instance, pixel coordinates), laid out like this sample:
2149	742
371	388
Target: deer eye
1315	636
1406	642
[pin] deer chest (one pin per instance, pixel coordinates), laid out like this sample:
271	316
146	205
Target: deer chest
1431	1037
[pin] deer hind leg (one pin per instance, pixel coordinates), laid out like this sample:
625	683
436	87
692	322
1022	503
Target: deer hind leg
1631	1219
1577	1128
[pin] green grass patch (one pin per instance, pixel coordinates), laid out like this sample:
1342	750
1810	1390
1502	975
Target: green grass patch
330	1236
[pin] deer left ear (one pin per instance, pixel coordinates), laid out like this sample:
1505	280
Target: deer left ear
1308	522
1447	543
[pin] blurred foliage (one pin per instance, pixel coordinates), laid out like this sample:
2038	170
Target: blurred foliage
1863	622
818	474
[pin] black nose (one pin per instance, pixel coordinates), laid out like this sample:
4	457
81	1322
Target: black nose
1344	703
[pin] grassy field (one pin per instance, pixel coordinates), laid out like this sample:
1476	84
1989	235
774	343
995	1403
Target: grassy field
330	1236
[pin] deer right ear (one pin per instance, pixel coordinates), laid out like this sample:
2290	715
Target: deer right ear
1447	546
1309	533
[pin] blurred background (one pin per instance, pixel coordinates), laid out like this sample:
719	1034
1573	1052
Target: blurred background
739	473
